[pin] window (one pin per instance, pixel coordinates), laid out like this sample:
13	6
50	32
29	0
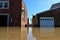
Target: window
1	4
4	4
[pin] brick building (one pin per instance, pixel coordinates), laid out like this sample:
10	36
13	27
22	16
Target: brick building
10	12
24	18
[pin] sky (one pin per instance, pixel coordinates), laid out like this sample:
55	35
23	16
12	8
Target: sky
37	6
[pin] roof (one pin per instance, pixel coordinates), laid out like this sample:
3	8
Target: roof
56	5
48	11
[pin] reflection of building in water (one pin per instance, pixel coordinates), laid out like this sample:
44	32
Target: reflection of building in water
24	19
49	18
39	34
30	35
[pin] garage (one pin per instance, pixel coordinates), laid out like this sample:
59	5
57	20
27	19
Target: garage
4	20
46	22
48	18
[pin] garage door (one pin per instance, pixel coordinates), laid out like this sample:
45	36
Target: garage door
46	22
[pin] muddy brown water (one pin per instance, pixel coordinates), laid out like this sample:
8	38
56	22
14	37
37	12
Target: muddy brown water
10	33
32	33
36	33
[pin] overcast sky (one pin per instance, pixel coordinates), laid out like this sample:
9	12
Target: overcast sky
36	6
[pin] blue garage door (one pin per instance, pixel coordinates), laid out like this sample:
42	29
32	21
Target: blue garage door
46	22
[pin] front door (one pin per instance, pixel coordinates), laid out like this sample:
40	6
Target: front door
3	20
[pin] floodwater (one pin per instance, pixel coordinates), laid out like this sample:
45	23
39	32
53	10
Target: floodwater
10	33
37	33
31	33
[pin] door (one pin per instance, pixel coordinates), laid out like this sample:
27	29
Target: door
3	20
46	22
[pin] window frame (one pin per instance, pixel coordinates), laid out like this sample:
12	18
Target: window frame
3	4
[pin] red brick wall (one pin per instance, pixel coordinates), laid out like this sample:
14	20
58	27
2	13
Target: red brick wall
24	19
14	12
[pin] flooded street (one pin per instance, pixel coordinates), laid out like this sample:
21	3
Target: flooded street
31	33
10	33
36	33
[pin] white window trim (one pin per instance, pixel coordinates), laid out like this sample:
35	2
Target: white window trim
46	17
3	4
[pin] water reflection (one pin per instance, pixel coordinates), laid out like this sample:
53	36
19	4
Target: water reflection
47	31
23	33
30	35
54	33
37	33
10	33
